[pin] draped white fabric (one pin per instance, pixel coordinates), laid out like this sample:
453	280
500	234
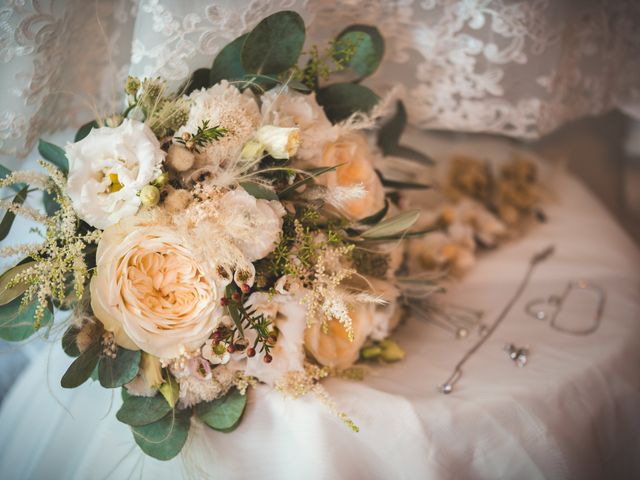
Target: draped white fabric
570	413
514	67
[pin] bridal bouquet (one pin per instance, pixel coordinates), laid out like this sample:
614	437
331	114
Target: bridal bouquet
232	232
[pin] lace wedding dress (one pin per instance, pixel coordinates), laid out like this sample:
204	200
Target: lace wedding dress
517	68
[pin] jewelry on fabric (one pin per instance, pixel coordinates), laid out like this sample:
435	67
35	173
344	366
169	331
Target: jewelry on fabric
447	386
519	355
542	309
456	319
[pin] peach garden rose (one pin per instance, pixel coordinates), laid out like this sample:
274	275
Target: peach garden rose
354	156
151	292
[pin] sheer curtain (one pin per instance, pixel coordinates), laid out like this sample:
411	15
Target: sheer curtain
519	68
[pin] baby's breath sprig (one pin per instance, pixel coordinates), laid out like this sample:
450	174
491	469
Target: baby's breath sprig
203	136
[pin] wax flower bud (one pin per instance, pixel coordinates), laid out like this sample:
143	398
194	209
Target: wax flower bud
149	196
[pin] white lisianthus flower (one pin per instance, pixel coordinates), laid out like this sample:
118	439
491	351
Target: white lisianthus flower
287	108
107	170
225	106
151	292
280	142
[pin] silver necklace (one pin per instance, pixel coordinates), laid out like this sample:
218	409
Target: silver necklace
541	308
447	387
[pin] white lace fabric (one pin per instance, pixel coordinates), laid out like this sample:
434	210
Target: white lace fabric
517	68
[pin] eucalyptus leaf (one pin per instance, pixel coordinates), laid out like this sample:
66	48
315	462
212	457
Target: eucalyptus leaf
198	79
341	100
138	411
393	226
69	345
389	138
228	63
402	235
223	413
17	323
259	191
5	172
51	206
85	129
54	155
165	438
9	217
115	372
8	294
368	46
82	367
170	390
312	173
376	217
275	44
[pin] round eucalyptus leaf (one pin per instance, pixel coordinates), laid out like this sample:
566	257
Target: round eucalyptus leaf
69	344
80	370
138	411
84	130
17	323
228	64
198	79
367	46
275	44
165	438
223	413
340	100
115	372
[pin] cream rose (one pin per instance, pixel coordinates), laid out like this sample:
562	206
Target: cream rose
107	170
352	152
151	292
333	348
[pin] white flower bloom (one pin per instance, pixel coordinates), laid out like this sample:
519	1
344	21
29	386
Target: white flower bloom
280	142
214	357
108	168
288	108
222	105
196	387
254	225
287	314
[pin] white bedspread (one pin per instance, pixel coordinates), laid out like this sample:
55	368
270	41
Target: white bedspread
572	412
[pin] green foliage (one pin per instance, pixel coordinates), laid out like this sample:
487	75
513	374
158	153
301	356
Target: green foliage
224	413
17	321
306	179
274	45
203	136
138	411
198	79
389	138
8	290
392	226
9	217
365	47
69	344
165	438
170	390
82	367
340	100
227	64
259	191
376	217
115	372
54	155
85	129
